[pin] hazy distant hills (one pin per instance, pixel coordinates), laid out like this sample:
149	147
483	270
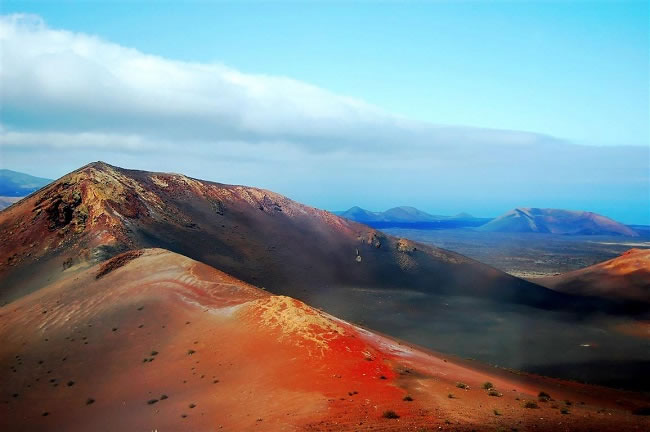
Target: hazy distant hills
411	217
555	221
14	184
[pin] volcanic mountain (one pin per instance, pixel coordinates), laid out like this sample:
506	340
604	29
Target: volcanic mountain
557	221
624	277
152	340
429	296
253	234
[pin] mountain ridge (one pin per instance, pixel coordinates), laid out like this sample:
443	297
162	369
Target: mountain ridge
624	277
556	221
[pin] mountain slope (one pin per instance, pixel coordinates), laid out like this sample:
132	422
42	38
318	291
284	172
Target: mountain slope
253	234
151	340
624	277
557	222
404	289
17	184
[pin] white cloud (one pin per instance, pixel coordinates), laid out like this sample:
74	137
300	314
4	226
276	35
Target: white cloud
87	83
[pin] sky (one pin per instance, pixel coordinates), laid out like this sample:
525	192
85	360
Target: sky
447	106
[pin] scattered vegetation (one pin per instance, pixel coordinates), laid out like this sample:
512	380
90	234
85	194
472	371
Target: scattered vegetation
494	392
496	412
163	397
530	404
192	405
70	383
90	401
154	353
544	397
152	401
564	410
488	385
568	403
390	414
450	396
408	398
190	352
462	385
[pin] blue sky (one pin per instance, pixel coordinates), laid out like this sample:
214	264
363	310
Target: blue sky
572	74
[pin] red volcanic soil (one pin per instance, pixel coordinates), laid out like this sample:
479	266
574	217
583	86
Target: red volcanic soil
256	235
161	342
625	277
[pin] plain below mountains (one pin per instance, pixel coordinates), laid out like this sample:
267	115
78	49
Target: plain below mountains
556	221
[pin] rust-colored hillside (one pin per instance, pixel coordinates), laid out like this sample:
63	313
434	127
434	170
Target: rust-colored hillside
151	340
625	277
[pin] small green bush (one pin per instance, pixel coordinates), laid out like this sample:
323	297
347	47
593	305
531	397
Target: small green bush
494	392
462	385
530	404
408	398
390	414
488	385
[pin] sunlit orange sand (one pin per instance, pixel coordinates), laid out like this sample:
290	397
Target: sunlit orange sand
152	340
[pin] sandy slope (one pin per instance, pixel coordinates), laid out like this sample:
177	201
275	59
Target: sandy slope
624	277
97	350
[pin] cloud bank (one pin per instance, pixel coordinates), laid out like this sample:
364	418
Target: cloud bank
69	98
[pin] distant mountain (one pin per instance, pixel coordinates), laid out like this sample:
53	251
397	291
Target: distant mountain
17	184
360	215
557	221
7	201
624	277
410	217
